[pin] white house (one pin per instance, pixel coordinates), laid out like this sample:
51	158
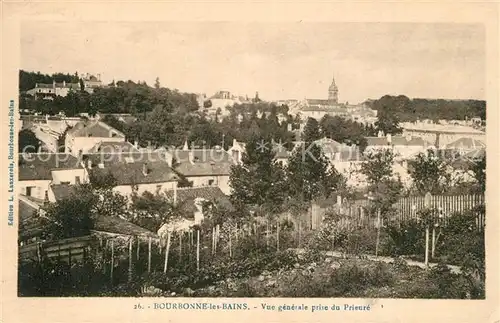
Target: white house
403	147
204	167
86	135
140	171
37	172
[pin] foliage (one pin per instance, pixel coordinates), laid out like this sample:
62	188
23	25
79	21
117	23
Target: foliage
28	142
388	120
479	169
429	173
351	279
102	180
259	181
384	186
346	131
406	238
434	109
311	131
71	217
309	174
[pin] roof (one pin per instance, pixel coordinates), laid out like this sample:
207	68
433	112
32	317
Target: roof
31	224
62	191
466	143
188	195
128	168
120	226
328	145
113	147
40	166
94	129
206	162
397	141
319	102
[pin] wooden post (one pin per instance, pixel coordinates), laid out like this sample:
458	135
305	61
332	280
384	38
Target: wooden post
167	250
149	255
230	246
112	261
427	246
299	233
267	233
130	260
198	250
104	258
378	232
138	247
278	236
180	245
213	240
433	242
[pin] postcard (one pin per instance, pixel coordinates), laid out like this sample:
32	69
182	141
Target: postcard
172	161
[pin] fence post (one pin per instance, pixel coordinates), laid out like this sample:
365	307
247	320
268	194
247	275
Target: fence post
149	255
378	232
230	246
112	261
138	247
180	245
167	250
278	236
130	259
433	241
198	250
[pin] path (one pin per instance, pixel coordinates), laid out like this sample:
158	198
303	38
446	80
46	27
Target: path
454	269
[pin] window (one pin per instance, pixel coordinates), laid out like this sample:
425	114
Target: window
77	179
65	183
211	182
158	188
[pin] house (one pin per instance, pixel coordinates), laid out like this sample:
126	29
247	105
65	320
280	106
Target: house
403	147
236	151
466	145
126	118
37	172
204	167
114	147
50	91
86	135
135	171
442	135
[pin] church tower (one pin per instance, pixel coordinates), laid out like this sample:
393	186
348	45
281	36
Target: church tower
333	93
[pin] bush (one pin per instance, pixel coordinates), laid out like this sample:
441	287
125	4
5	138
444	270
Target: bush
405	239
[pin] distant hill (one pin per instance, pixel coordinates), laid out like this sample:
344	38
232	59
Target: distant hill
412	109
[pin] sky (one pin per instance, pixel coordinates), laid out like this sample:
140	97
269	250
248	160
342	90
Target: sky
280	61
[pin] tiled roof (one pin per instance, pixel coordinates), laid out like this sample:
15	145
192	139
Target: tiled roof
113	147
39	166
396	141
329	145
128	168
62	191
119	226
94	129
187	196
466	143
318	102
206	162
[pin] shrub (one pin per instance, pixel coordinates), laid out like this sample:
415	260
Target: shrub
405	239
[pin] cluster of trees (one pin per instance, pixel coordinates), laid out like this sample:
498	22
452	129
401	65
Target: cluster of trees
28	80
261	183
409	110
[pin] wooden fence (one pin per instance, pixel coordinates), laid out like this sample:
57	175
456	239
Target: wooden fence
66	250
357	212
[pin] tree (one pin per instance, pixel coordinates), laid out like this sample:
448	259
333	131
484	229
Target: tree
388	121
157	83
259	181
429	173
309	175
382	182
28	142
479	170
311	131
70	217
102	179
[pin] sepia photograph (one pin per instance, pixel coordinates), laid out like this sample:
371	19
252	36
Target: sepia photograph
251	160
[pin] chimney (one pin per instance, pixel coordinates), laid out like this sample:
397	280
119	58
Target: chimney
380	134
89	164
145	169
185	146
99	77
136	144
408	137
339	200
235	142
191	157
169	158
337	156
64	83
54	83
289	127
389	138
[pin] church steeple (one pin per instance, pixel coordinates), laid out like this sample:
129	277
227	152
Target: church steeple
333	93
